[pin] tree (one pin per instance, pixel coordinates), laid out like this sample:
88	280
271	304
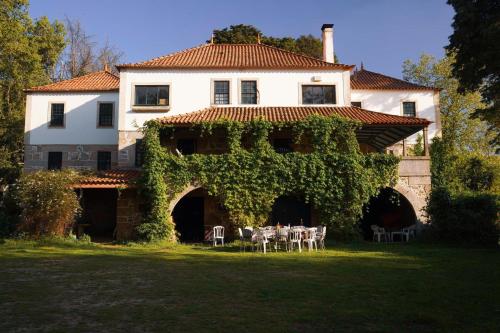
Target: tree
248	34
82	56
461	132
474	42
418	148
28	51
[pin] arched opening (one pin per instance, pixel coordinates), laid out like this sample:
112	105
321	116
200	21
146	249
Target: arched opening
196	213
291	210
390	210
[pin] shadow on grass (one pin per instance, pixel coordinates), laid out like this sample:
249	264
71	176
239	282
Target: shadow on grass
349	287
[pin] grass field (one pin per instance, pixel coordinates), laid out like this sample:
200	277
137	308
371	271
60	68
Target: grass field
63	287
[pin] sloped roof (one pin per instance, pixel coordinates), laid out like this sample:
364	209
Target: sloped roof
291	113
96	81
110	179
364	79
236	56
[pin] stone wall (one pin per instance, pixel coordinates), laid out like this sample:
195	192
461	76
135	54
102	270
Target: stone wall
129	214
415	182
82	157
126	148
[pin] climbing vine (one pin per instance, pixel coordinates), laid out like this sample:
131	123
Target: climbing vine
335	177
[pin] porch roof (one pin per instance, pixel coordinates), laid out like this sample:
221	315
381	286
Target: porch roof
378	129
110	179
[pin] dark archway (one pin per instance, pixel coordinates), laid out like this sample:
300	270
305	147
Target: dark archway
188	216
389	209
291	210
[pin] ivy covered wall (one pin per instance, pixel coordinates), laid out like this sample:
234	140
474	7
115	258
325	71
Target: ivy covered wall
335	177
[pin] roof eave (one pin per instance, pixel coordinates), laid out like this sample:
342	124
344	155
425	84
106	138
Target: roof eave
70	91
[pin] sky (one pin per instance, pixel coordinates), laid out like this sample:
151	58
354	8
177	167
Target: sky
379	33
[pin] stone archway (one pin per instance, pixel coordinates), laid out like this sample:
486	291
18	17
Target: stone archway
179	196
417	200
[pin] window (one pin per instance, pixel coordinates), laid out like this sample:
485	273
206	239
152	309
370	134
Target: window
409	109
105	115
282	146
57	115
186	146
221	92
55	160
318	94
357	104
103	160
152	95
139	158
248	92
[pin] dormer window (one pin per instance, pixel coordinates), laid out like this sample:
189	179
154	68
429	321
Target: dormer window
152	95
318	94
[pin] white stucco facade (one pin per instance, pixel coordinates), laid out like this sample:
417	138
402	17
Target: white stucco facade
391	102
80	119
191	90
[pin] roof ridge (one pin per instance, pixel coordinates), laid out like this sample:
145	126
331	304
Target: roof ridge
302	55
165	55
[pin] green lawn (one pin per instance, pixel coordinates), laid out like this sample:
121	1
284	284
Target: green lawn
60	287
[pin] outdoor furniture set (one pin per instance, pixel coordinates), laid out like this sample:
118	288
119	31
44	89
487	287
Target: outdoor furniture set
380	234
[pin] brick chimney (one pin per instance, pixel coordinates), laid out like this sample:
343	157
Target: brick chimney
327	36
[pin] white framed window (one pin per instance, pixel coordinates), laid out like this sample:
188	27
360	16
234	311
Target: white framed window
317	94
249	91
221	92
105	114
56	115
409	108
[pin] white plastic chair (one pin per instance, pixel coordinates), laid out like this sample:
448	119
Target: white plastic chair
218	234
379	232
262	241
320	237
310	239
295	238
281	237
409	232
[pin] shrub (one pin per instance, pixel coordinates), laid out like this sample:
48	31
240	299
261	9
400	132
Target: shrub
465	218
47	202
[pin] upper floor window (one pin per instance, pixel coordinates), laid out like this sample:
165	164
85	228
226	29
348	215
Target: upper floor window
57	115
152	95
105	117
55	160
318	94
249	92
186	146
282	146
357	104
409	109
103	160
221	92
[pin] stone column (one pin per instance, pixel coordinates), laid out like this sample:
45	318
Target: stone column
426	142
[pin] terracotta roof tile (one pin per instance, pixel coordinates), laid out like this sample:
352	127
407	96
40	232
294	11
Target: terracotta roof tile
364	79
97	81
288	113
231	56
110	179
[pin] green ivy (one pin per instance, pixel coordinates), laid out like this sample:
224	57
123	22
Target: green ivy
336	178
